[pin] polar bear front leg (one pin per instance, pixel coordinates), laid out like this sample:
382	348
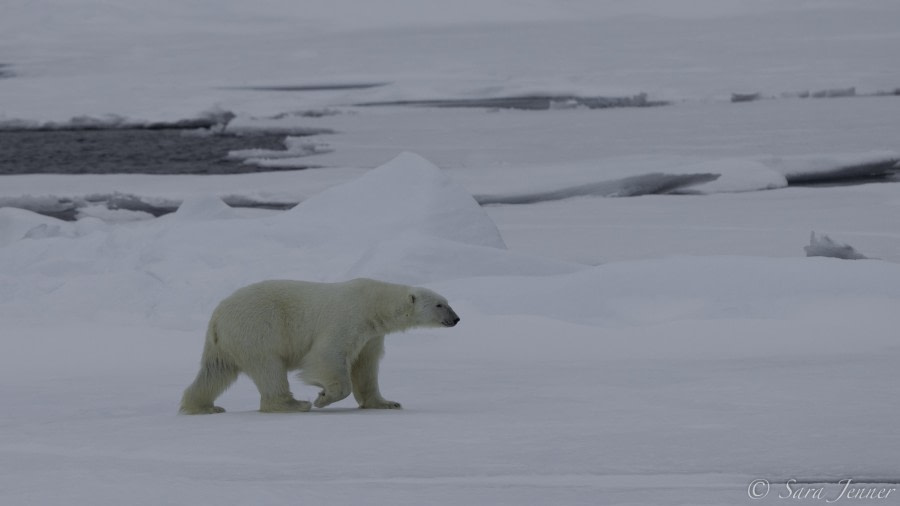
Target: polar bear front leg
334	391
329	369
364	375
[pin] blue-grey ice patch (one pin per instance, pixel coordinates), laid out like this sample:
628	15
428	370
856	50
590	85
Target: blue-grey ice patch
824	246
646	184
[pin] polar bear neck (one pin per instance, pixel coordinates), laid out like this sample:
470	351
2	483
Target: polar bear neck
388	307
390	320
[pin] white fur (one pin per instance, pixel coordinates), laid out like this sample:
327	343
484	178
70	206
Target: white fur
333	332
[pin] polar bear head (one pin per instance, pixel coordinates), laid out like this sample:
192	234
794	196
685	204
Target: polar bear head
430	309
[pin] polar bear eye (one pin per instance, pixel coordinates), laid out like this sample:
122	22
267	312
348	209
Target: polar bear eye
440	305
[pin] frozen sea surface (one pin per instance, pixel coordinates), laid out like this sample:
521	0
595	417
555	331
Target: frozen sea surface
660	349
662	380
501	157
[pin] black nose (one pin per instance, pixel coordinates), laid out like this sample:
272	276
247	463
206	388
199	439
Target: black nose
455	320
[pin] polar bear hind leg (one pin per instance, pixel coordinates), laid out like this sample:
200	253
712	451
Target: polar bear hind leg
215	376
270	377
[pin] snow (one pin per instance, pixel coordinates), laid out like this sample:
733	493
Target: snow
413	196
15	224
294	155
204	207
665	348
618	383
165	61
768	224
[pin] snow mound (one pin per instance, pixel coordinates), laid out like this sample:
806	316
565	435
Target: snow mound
418	260
824	246
406	195
16	224
204	207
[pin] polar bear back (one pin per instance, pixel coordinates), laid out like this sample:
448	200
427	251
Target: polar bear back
289	317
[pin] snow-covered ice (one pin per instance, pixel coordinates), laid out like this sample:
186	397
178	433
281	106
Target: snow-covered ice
668	380
167	60
655	349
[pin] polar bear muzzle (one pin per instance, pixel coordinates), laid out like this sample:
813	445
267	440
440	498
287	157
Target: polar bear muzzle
451	318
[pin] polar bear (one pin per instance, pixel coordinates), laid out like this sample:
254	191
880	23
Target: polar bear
332	332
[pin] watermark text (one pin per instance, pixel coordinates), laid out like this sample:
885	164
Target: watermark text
844	490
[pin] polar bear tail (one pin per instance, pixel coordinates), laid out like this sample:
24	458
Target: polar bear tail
216	374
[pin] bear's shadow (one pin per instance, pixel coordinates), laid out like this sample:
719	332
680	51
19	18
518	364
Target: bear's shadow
323	411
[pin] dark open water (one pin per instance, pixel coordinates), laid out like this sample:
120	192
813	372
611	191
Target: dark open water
127	151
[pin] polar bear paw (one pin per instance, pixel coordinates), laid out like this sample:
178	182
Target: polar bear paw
201	410
284	406
381	404
323	400
332	393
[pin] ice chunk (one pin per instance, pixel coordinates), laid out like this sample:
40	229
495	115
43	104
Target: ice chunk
735	175
824	246
811	169
408	195
646	184
295	148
